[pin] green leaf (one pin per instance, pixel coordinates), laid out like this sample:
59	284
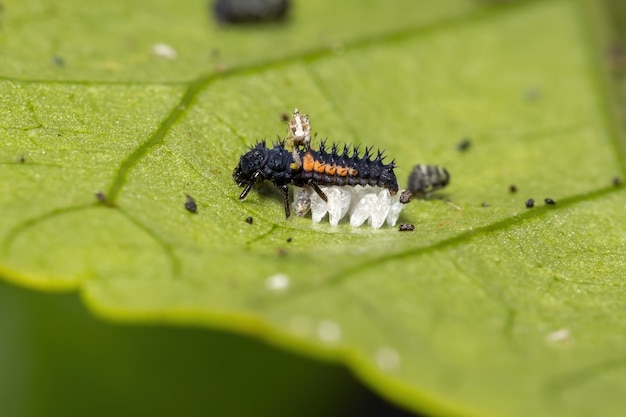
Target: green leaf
496	310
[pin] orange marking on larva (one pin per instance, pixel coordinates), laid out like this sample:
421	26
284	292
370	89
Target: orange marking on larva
352	172
318	167
342	171
308	162
331	169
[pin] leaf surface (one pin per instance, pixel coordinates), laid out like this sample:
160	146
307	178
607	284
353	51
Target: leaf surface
485	309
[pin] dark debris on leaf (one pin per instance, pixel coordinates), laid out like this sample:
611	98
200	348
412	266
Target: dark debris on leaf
405	196
406	227
249	220
532	94
530	203
58	61
190	204
102	199
549	201
237	12
463	145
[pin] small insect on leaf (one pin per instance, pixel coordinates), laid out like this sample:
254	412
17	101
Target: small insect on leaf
302	201
530	203
299	129
424	179
190	204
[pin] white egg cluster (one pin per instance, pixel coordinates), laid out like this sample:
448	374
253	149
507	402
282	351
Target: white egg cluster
372	204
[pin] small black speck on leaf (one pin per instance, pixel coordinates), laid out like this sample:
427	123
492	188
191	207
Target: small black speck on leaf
406	227
190	204
617	181
405	197
21	159
249	11
289	239
284	117
464	145
58	61
532	94
530	203
513	188
549	201
101	197
249	220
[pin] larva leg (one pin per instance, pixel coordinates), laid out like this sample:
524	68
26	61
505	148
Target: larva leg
319	192
285	191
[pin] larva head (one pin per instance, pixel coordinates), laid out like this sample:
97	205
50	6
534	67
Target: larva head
250	164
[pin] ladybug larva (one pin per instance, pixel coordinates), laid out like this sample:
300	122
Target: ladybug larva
316	168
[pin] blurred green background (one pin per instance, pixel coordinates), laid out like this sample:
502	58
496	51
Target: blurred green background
58	360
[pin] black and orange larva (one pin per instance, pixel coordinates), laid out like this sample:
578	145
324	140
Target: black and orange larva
314	168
